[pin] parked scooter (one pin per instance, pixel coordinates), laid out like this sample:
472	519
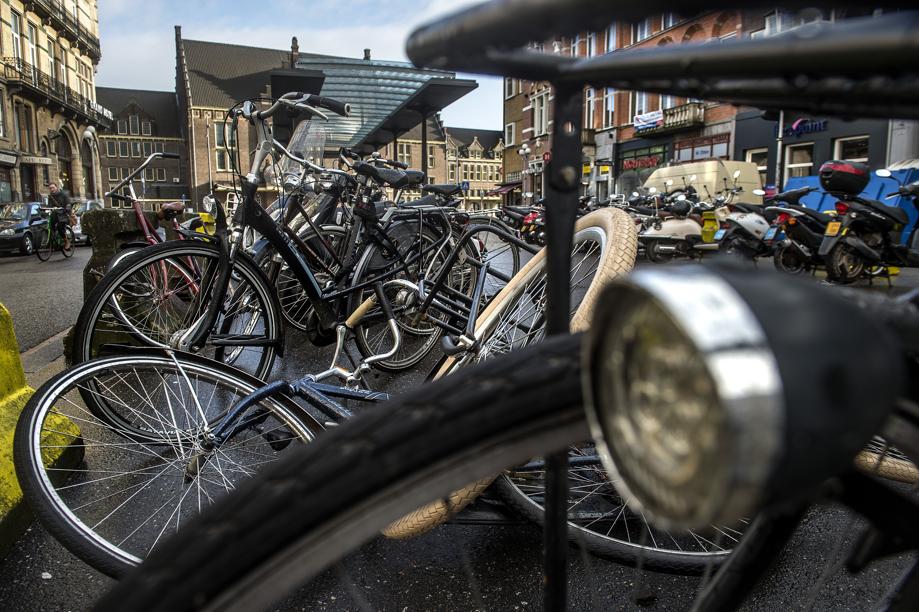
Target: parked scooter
796	232
676	230
743	226
867	232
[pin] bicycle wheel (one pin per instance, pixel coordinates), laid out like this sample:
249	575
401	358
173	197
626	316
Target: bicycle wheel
69	241
125	495
328	246
490	248
373	336
44	243
604	247
153	295
309	510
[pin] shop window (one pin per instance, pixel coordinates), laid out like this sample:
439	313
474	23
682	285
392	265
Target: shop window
851	149
6	185
799	160
760	157
697	149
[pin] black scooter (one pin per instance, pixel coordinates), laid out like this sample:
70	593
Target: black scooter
867	233
803	228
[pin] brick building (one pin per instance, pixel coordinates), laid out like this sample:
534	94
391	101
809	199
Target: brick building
475	156
48	110
145	122
627	135
407	149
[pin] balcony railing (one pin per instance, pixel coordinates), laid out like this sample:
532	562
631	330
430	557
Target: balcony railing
683	117
15	70
67	25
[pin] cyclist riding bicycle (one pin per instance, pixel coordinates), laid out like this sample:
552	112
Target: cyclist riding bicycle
60	200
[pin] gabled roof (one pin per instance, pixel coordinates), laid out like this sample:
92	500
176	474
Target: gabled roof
221	74
464	136
160	105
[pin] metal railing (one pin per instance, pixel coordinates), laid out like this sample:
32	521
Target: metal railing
15	69
67	25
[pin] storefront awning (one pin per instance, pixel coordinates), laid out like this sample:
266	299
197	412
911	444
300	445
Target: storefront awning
503	189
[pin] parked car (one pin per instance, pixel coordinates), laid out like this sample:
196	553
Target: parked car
18	224
78	209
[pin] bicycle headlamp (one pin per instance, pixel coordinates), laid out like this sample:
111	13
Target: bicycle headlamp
209	203
711	392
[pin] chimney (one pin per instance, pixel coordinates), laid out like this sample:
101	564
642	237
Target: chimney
367	54
294	52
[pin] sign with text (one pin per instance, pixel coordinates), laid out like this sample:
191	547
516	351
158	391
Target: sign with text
647	121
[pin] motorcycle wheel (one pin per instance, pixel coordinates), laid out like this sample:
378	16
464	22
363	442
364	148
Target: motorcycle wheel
844	265
789	260
654	254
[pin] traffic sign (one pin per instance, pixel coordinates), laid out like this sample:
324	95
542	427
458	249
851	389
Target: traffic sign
464	185
547	156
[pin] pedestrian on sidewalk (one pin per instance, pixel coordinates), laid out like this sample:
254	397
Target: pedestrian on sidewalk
60	199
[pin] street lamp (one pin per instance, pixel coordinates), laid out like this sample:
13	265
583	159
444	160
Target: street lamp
89	134
524	153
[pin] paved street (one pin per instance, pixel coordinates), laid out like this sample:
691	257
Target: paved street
43	297
459	566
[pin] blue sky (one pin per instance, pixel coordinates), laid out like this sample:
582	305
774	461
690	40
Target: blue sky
138	40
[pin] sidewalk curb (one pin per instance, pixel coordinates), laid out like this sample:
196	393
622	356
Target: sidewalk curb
15	516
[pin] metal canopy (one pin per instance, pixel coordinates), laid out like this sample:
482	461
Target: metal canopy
387	98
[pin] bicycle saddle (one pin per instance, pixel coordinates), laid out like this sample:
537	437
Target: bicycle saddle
445	190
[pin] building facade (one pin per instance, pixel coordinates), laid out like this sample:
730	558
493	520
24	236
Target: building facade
145	122
627	135
49	116
475	158
407	149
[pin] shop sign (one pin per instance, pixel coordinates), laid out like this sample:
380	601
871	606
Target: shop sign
604	169
29	159
6	158
650	161
804	126
586	169
647	121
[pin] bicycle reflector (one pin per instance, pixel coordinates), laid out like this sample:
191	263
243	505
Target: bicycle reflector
712	391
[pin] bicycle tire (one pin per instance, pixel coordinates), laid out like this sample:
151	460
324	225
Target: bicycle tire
71	240
309	510
373	339
617	259
98	314
44	246
93	506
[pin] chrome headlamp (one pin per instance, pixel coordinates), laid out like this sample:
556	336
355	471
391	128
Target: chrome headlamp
711	392
209	203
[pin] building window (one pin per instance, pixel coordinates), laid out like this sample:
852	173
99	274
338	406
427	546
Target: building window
148	149
149	175
111	148
668	101
641	103
122	126
641	30
158	147
62	67
611	38
591	44
16	29
760	157
697	149
430	156
225	142
575	45
609	107
510	134
465	172
404	153
851	149
135	148
124	148
452	172
590	104
161	175
113	175
146	128
799	160
135	125
541	113
670	20
23	119
510	88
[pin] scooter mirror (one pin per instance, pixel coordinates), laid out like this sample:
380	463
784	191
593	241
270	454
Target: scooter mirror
883	173
669	182
692	179
759	192
736	174
680	198
652	190
634	194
